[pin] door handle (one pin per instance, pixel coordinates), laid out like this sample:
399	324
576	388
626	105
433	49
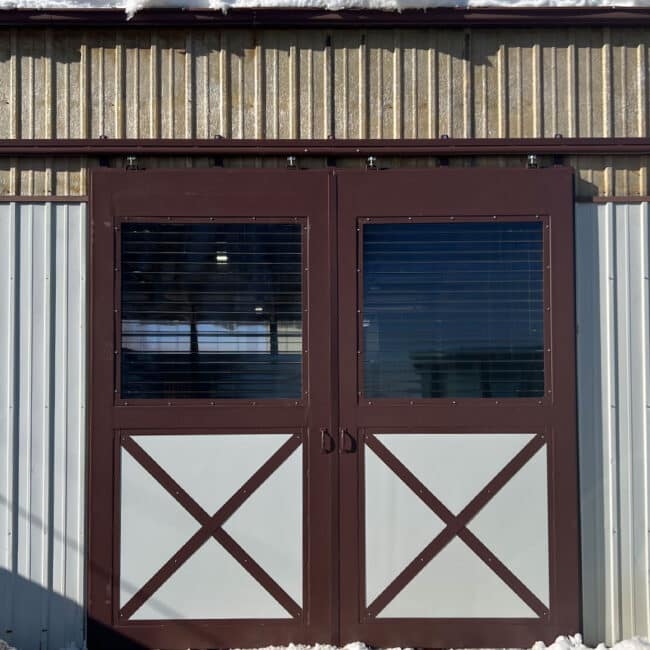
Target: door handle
347	443
327	442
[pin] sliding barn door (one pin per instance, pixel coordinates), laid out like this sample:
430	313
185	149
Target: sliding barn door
210	467
459	522
332	406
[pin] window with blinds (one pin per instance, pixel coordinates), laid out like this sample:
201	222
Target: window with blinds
453	309
211	310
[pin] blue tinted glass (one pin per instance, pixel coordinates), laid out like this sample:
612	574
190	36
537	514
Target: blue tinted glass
211	310
453	310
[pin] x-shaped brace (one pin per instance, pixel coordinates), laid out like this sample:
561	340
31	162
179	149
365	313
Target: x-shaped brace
211	526
456	526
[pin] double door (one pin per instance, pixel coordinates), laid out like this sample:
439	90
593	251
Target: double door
330	406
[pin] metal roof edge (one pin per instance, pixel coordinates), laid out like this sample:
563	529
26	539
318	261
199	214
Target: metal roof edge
291	18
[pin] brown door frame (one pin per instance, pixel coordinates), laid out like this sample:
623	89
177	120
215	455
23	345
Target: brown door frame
228	194
447	194
335	199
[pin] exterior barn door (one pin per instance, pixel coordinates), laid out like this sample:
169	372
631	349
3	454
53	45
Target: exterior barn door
459	523
211	394
331	406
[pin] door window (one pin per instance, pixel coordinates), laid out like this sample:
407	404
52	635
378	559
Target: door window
453	309
211	310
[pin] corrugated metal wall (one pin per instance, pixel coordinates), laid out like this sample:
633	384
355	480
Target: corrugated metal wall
612	264
311	84
43	396
415	83
42	423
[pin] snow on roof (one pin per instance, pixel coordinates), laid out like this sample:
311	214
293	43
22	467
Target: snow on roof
132	6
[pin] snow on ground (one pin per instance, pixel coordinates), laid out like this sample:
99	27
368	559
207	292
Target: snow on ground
575	643
561	643
320	646
132	6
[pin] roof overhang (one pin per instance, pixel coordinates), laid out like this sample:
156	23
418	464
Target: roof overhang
291	18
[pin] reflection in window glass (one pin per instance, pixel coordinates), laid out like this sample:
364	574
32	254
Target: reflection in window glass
211	310
453	310
290	337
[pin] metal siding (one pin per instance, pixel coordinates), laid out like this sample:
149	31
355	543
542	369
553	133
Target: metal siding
310	83
314	83
42	409
613	370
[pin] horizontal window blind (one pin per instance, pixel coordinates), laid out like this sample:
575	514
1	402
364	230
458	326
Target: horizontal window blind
211	310
453	309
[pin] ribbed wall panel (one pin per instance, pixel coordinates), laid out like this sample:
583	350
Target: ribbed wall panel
310	83
42	423
376	83
613	256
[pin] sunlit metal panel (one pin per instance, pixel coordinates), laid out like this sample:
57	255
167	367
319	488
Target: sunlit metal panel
42	423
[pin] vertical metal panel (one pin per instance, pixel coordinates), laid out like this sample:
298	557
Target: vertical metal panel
612	260
349	83
42	415
310	83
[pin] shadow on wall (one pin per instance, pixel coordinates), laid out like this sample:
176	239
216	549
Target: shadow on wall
35	617
66	45
41	575
44	619
479	46
34	614
590	426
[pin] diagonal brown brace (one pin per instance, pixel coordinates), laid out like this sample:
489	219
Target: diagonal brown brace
456	526
210	526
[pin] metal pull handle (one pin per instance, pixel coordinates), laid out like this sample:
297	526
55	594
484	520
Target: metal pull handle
327	442
347	443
